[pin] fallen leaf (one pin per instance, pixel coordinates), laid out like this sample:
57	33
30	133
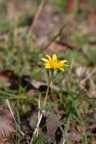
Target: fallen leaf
6	129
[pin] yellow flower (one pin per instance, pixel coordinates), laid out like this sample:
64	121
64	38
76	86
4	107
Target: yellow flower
54	63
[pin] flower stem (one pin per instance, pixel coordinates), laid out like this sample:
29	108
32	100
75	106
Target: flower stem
46	96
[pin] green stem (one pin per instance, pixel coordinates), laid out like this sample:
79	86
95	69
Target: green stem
46	96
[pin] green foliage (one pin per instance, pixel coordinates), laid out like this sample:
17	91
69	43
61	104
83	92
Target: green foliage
61	4
39	140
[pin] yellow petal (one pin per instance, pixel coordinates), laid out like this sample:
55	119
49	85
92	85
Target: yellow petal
63	61
45	60
48	66
60	64
61	69
54	63
54	57
48	57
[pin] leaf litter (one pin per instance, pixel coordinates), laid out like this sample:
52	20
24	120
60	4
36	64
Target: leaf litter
7	126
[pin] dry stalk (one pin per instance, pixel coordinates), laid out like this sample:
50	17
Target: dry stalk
36	17
36	131
8	104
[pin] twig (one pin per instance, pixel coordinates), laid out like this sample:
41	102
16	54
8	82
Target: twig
39	120
63	141
36	17
8	104
36	129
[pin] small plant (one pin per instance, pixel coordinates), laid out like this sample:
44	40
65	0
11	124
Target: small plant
53	64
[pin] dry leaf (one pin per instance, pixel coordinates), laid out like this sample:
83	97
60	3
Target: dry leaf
6	129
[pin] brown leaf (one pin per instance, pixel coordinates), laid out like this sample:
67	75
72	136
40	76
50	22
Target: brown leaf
51	123
74	136
6	129
7	141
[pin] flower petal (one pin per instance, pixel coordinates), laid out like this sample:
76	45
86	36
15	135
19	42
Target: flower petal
48	66
54	63
48	57
45	60
63	61
54	57
66	65
61	69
